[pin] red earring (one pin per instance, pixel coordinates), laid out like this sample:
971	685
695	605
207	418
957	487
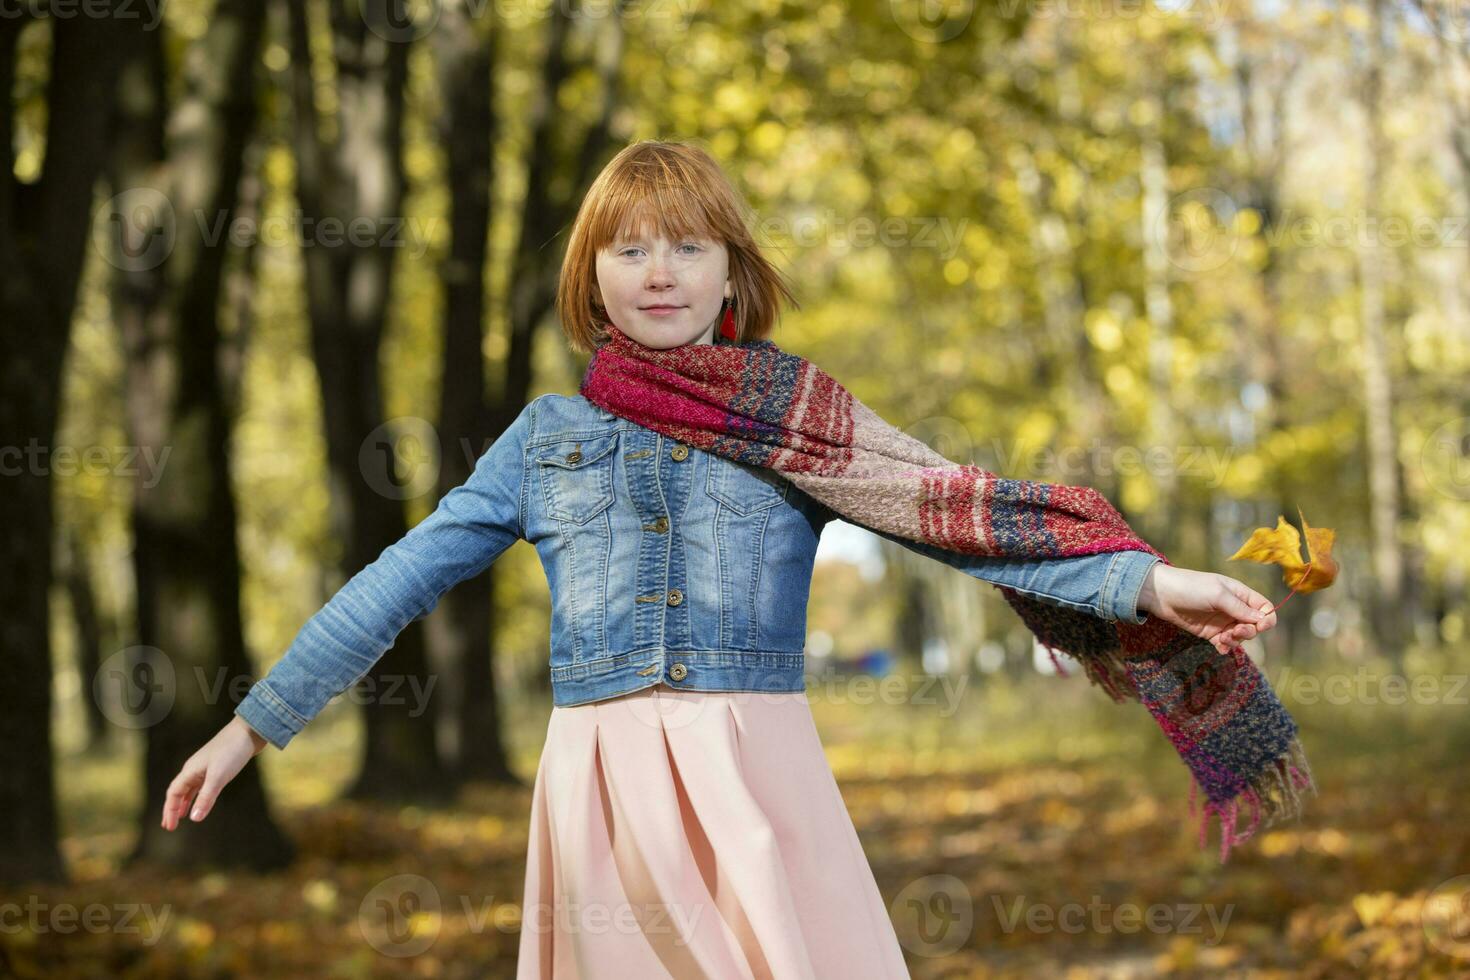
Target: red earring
727	325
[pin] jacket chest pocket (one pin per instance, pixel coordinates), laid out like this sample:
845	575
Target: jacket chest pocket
743	488
577	477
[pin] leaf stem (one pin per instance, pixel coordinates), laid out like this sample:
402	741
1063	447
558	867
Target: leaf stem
1283	602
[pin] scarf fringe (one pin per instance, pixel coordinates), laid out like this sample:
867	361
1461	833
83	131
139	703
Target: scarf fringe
1108	672
1273	796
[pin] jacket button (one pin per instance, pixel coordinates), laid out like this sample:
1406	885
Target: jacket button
675	597
661	525
679	452
574	456
678	672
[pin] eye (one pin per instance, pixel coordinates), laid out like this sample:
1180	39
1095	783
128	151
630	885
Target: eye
634	248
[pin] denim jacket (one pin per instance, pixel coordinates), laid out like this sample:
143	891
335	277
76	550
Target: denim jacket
665	564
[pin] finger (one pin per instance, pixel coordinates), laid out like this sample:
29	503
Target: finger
1242	602
178	808
1257	602
177	800
1230	638
204	802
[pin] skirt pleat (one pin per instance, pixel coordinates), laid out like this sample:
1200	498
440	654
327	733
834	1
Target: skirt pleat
696	834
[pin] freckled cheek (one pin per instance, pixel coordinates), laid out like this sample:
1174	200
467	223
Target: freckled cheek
707	284
623	289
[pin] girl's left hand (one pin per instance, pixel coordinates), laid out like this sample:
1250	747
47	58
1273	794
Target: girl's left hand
1218	608
205	773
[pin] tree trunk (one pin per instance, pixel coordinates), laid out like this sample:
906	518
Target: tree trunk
1389	617
1163	428
177	173
352	172
463	634
43	233
1264	360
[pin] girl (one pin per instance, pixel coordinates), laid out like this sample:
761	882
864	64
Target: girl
685	821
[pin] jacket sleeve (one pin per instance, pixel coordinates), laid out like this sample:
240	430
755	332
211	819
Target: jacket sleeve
471	526
1105	585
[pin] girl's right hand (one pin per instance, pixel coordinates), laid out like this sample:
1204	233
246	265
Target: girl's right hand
1218	608
207	771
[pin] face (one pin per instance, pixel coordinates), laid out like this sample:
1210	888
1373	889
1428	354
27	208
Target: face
664	293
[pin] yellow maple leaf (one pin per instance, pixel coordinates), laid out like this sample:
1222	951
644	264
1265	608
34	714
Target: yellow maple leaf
1282	546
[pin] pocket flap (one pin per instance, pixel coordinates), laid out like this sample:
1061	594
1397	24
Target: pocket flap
573	454
743	487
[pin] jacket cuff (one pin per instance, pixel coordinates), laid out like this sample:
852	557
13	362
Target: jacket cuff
264	711
1124	583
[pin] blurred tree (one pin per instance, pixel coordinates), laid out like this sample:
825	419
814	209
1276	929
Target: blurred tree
44	224
347	134
1390	618
175	172
465	58
1261	73
1451	32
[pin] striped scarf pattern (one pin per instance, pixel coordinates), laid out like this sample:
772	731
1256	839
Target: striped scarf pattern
756	404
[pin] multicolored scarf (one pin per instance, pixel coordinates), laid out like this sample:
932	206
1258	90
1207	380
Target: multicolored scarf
756	404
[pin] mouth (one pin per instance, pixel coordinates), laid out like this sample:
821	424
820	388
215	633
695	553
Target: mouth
661	308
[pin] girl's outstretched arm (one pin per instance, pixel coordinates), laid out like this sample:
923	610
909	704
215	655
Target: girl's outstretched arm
1105	585
472	525
1124	585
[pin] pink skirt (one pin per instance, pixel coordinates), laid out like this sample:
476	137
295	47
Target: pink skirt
696	834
